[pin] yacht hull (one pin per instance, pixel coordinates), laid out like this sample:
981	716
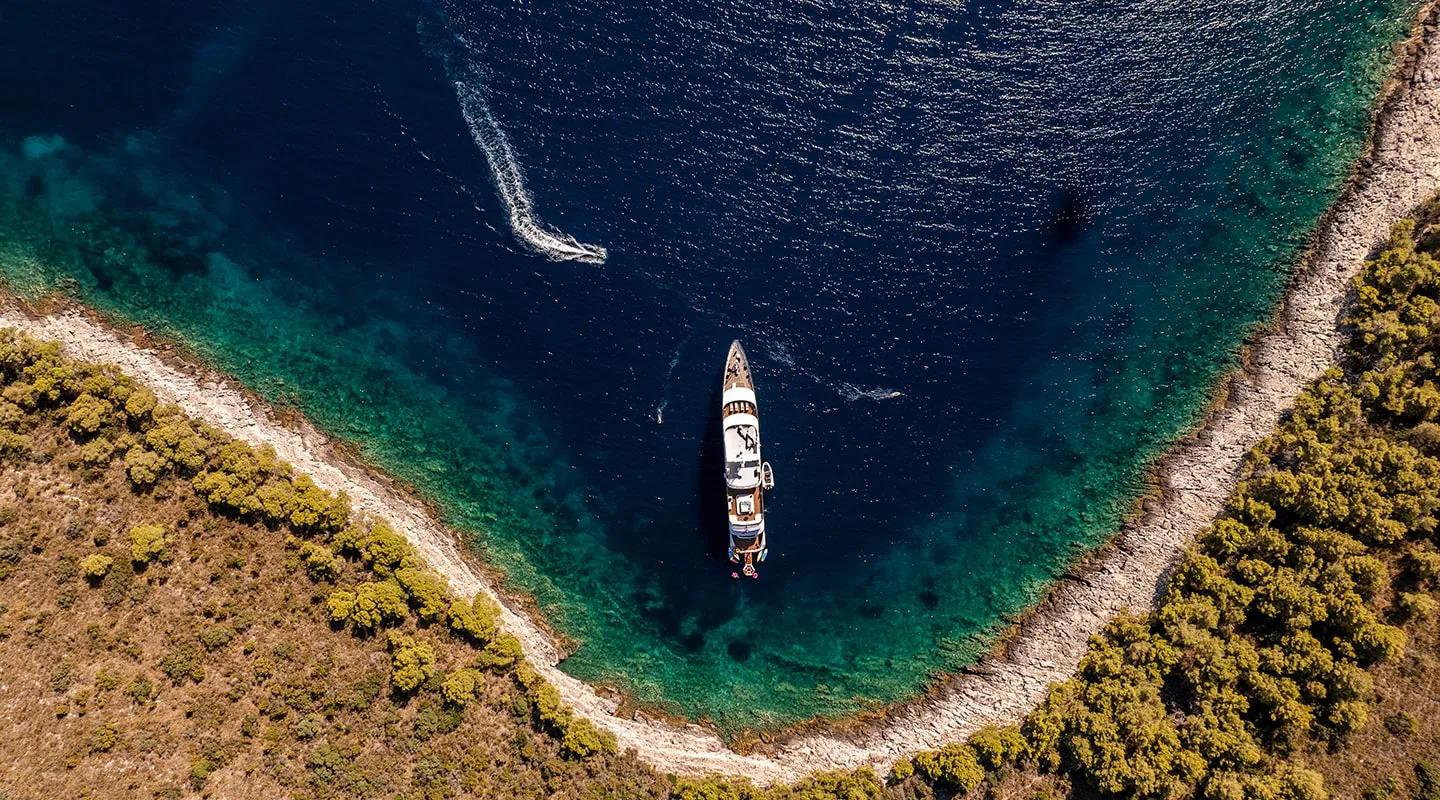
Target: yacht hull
747	475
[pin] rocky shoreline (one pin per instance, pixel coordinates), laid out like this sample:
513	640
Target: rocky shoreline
1400	170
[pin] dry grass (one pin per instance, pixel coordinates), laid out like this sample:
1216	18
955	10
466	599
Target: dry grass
1383	754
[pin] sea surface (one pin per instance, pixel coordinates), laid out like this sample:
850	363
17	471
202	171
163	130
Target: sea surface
988	259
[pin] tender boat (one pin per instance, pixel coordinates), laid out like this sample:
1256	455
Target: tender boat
747	475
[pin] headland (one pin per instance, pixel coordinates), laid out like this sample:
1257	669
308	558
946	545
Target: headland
1399	170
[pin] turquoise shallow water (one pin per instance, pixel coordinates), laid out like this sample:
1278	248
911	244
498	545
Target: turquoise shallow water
1047	228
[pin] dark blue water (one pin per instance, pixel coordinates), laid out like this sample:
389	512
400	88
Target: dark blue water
988	261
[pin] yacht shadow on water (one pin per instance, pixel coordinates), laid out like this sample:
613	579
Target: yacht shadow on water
689	615
709	484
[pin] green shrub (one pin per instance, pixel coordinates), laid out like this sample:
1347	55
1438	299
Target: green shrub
14	446
369	606
320	562
105	680
1428	775
96	566
12	548
903	769
147	543
1297	783
263	667
227	491
840	785
503	652
103	739
1348	716
1416	606
527	677
427	591
551	710
1369	574
1227	537
307	727
995	746
1401	724
1389	786
384	551
366	691
201	768
476	620
276	498
98	452
462	685
313	508
87	414
1425	564
954	765
144	466
22	395
177	443
215	637
140	404
182	662
61	676
716	789
583	740
140	690
411	663
433	719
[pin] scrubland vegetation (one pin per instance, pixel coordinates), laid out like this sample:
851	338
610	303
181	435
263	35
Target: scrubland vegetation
181	614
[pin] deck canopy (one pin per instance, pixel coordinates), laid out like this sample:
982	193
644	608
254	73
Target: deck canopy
742	451
738	394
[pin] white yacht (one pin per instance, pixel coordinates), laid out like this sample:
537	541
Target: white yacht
747	476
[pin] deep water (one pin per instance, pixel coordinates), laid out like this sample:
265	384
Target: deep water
987	258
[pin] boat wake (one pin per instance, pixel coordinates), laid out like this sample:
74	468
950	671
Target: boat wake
509	179
779	352
852	393
665	385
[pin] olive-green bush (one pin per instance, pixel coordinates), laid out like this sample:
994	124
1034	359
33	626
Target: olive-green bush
461	686
503	652
583	740
411	663
320	562
96	566
428	592
952	765
368	605
147	543
477	619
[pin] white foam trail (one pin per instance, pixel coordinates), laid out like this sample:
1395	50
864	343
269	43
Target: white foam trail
852	393
510	182
665	384
779	351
